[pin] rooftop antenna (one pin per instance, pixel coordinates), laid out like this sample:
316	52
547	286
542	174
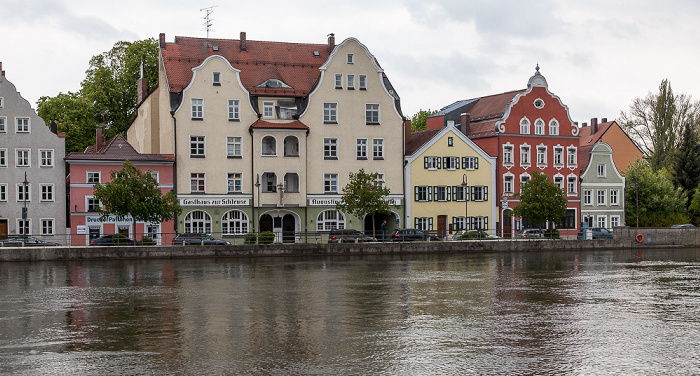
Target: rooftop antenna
207	22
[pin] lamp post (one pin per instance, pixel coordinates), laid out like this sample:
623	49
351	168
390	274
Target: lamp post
465	190
25	228
257	185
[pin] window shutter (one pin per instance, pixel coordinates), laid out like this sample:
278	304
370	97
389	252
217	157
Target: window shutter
415	189
466	193
445	162
430	223
486	193
436	196
486	222
456	159
464	163
454	193
473	194
449	193
415	222
473	222
438	162
425	162
430	193
476	163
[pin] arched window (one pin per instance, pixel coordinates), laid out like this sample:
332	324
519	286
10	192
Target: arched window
291	182
524	126
553	127
198	221
269	146
291	146
234	222
329	220
539	127
269	182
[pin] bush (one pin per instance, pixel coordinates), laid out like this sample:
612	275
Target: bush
266	237
551	233
145	240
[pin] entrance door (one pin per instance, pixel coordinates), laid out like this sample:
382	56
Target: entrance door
441	225
93	233
265	223
288	227
507	223
3	228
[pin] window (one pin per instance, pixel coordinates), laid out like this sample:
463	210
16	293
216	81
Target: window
291	182
602	221
507	154
587	197
558	156
378	148
431	163
524	178
351	82
330	220
541	156
569	220
372	113
601	170
197	109
338	81
351	59
2	102
269	146
93	177
422	193
554	127
269	182
3	192
539	103
480	223
571	185
92	204
470	163
539	127
234	182
559	181
291	146
525	155
3	157
450	141
24	193
442	193
379	181
46	192
197	182
330	113
196	146
22	158
571	156
47	226
22	125
234	222
216	78
602	194
480	193
450	163
23	226
459	223
234	110
330	183
198	222
233	147
268	110
614	197
361	148
155	175
508	184
460	193
363	82
424	223
3	127
46	158
524	126
614	220
287	110
330	148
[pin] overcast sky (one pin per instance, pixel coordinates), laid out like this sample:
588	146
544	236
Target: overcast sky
597	55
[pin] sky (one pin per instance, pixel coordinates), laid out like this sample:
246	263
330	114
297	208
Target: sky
597	55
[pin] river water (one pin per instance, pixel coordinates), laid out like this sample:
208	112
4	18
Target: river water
541	313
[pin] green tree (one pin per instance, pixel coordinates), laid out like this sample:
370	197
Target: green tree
364	196
540	200
418	121
656	123
74	114
694	208
660	203
133	193
686	166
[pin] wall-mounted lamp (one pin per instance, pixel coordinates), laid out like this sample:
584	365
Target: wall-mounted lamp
76	208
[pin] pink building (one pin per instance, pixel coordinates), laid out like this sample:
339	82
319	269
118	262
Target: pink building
94	166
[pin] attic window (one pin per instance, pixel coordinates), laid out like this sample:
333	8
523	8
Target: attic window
286	110
351	59
316	53
274	83
539	103
215	48
216	78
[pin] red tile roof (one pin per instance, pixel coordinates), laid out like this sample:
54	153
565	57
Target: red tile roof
118	149
295	64
419	139
294	124
588	139
492	106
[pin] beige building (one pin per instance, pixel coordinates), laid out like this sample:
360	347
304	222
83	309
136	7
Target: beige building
265	134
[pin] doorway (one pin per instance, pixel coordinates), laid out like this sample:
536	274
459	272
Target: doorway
265	223
288	226
507	223
3	228
441	226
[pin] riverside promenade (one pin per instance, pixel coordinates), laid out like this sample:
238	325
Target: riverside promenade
624	238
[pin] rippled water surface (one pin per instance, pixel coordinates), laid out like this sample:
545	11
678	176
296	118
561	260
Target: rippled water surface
550	313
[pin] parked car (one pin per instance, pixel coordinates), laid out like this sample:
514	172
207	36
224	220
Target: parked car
596	233
198	239
472	234
348	235
411	234
687	225
112	239
27	241
530	233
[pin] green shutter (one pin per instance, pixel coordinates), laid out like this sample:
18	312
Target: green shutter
476	163
486	193
464	163
430	193
449	193
473	192
486	222
430	223
466	193
445	162
425	162
438	162
415	193
415	222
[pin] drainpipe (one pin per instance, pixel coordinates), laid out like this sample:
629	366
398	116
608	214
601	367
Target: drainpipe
175	217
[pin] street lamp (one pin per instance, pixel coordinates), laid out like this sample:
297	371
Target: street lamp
257	185
465	190
25	228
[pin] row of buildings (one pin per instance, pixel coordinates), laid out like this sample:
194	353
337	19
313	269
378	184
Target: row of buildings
262	136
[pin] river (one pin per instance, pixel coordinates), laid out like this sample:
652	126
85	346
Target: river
537	313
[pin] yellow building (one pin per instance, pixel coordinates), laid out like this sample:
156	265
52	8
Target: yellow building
449	182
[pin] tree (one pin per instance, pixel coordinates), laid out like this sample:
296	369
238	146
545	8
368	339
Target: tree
655	123
75	115
660	203
363	195
418	121
694	208
133	193
540	200
686	166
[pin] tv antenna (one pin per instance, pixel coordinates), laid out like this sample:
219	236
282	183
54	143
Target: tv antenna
207	18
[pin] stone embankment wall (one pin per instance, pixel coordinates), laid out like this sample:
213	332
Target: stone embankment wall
624	239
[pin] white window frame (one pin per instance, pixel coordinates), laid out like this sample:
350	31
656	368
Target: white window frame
24	226
361	148
362	82
262	146
234	146
378	148
49	158
508	154
539	127
268	110
524	178
22	191
571	158
601	170
524	125
588	197
602	221
424	223
25	124
26	156
525	157
330	183
216	78
351	81
330	148
614	197
442	193
558	156
155	175
330	219
571	186
195	179
614	221
470	163
553	127
372	113
3	124
92	202
601	197
234	110
508	180
379	181
234	222
433	162
3	157
350	58
3	192
330	113
559	180
234	182
51	226
338	80
197	108
422	193
94	174
541	155
197	221
453	163
198	146
46	192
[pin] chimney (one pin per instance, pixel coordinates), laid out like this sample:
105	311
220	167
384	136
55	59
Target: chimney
99	138
407	131
2	72
331	42
161	41
141	88
244	42
594	125
603	120
465	122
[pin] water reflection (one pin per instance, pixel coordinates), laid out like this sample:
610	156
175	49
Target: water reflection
605	312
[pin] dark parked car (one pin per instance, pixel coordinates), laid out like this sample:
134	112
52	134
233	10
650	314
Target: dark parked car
348	236
411	234
112	239
531	233
29	241
596	233
198	239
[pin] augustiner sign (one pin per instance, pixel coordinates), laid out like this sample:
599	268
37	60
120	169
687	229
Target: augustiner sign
334	201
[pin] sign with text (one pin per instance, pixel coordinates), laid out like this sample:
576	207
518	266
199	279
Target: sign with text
214	202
